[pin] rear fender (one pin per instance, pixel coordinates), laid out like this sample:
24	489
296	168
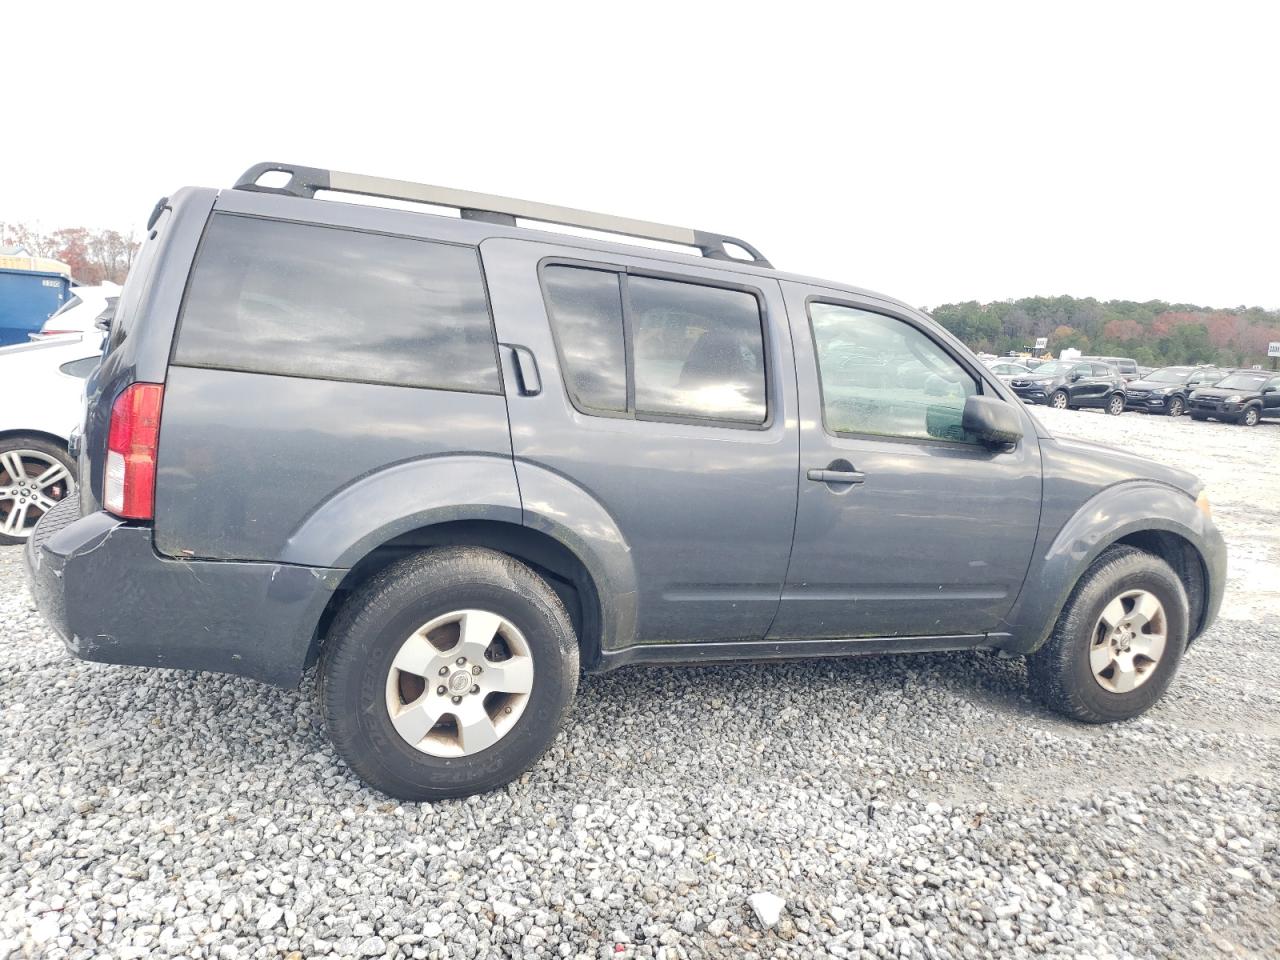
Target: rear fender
380	506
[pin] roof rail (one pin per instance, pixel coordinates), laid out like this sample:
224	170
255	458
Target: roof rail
305	181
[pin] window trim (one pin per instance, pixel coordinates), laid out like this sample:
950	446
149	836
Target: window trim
923	330
195	263
624	272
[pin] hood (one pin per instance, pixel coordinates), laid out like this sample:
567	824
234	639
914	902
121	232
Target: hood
1105	466
1154	385
1222	392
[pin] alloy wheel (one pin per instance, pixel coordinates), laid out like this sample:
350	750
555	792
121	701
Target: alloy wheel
1116	406
459	683
1128	641
1251	417
31	482
1060	401
1175	407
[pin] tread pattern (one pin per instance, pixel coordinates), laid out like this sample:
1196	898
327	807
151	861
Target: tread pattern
1052	670
363	615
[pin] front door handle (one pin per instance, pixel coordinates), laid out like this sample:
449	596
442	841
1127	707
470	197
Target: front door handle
837	476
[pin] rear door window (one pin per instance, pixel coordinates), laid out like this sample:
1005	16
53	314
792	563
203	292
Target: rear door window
269	296
657	348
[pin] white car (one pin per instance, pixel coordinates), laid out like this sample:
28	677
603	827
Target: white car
36	471
1006	370
80	314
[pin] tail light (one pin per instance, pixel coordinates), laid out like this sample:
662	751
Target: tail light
129	489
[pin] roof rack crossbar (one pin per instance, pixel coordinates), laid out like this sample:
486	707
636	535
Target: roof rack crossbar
305	181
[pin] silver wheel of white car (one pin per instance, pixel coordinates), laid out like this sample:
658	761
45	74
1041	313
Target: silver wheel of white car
460	683
1128	641
34	476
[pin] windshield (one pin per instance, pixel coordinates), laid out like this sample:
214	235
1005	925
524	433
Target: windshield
1242	381
1169	375
1055	366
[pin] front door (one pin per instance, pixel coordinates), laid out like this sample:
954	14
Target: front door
667	397
905	526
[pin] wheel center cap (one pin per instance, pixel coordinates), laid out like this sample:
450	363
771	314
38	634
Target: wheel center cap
459	682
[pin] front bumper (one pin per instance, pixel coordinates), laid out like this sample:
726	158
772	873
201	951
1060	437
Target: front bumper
1216	408
1033	394
1150	403
113	599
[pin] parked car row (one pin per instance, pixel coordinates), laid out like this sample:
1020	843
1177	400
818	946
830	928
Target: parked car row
1205	392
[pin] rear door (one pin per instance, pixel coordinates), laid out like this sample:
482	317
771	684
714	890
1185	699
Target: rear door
905	526
668	396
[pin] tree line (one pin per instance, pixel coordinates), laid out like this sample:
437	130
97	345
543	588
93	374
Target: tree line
93	255
1154	333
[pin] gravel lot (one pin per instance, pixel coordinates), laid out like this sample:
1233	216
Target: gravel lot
912	806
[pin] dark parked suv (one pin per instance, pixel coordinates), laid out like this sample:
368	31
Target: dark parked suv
1166	390
1243	397
1068	384
452	460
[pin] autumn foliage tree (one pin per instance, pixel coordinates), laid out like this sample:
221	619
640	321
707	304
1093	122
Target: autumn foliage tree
1153	333
92	255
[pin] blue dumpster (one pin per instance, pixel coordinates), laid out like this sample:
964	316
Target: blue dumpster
28	298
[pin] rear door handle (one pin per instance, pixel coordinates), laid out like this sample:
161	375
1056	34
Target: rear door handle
837	476
526	370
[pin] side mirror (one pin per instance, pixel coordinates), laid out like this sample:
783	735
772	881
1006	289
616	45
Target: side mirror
1268	389
994	422
1074	377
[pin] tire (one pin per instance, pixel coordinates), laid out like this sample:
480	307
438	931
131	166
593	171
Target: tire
1201	417
1061	673
1060	400
380	626
1115	404
25	459
1250	417
1175	407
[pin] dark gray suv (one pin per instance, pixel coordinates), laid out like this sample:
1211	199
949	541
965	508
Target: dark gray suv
452	460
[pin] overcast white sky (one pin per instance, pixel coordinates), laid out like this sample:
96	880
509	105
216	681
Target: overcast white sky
934	152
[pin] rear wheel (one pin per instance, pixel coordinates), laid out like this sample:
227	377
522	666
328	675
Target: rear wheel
1250	417
1175	407
1115	405
448	674
35	474
1060	400
1117	642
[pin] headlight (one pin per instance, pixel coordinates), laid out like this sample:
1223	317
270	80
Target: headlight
1163	391
1202	502
1235	399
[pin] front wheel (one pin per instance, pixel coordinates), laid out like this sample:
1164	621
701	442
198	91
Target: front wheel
1115	406
34	475
1175	407
448	674
1060	400
1117	642
1250	417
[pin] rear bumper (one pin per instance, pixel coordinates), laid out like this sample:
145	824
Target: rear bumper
113	599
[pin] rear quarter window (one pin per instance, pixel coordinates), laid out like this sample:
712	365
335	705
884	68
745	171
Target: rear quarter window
276	297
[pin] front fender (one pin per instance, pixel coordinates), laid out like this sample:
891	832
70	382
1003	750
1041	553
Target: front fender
400	498
558	507
1110	515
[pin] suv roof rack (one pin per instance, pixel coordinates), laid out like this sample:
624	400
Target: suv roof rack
305	181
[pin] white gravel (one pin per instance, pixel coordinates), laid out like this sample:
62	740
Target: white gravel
913	806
